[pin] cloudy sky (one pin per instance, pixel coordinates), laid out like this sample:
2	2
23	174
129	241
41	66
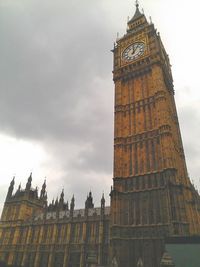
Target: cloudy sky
56	89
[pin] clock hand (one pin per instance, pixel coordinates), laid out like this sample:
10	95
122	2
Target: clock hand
133	52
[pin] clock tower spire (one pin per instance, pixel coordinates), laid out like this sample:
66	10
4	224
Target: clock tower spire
136	19
137	12
152	196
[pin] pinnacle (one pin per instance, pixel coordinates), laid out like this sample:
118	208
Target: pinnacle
137	12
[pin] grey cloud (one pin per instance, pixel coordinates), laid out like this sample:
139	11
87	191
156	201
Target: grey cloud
48	87
56	85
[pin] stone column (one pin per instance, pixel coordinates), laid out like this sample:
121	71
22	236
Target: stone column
66	256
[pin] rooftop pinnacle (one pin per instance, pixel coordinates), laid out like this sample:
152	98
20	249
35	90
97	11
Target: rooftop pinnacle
137	12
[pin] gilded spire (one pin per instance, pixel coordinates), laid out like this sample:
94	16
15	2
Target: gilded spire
61	201
103	201
72	204
44	184
11	187
43	190
19	188
28	184
67	205
13	181
137	14
89	201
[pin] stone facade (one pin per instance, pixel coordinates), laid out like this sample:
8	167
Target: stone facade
152	197
35	234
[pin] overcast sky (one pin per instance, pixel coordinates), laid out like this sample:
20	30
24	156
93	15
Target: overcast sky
56	89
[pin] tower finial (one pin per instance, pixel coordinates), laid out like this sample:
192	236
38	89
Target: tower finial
10	189
28	184
137	14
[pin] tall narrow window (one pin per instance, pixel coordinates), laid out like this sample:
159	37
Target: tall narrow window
131	160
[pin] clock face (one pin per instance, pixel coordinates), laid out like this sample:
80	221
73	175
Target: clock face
133	51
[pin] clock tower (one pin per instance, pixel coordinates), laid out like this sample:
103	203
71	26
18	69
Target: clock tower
152	197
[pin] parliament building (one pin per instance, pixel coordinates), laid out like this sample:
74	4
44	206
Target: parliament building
152	198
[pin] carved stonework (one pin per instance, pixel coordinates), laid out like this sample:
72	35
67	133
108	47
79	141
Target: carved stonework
114	262
166	260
